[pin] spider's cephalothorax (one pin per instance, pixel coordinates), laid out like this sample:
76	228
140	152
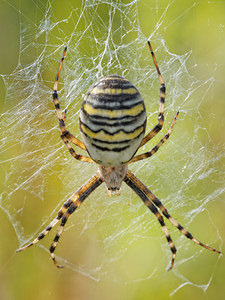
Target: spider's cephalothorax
113	177
112	124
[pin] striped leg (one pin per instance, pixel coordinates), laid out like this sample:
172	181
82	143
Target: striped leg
41	235
136	186
86	188
159	126
158	203
65	134
49	227
73	203
156	148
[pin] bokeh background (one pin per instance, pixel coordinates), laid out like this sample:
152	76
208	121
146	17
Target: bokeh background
112	248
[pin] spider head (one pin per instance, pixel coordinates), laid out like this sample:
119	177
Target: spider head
113	177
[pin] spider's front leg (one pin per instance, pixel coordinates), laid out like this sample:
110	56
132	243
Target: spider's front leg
66	210
152	202
41	235
137	186
75	201
66	136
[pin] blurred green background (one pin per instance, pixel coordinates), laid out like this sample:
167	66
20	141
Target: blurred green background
112	250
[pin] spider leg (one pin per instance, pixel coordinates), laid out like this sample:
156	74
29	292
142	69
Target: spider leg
156	148
49	227
145	194
159	126
64	116
66	136
158	203
83	192
73	203
136	186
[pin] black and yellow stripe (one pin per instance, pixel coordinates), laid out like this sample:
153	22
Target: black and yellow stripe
112	121
152	202
137	186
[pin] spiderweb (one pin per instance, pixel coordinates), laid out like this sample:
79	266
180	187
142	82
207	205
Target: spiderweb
107	37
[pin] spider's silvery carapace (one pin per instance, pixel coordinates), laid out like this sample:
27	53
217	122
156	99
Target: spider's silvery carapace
112	124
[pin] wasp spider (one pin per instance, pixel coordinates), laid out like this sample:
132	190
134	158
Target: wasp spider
112	125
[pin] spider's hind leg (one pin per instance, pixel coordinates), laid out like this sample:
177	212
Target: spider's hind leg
74	202
159	126
66	136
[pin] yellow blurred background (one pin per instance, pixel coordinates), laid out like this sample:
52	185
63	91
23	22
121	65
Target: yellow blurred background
112	248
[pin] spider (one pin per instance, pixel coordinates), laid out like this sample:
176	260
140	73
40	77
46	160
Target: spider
112	124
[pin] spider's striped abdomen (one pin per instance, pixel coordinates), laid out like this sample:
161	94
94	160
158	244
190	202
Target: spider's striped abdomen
112	121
